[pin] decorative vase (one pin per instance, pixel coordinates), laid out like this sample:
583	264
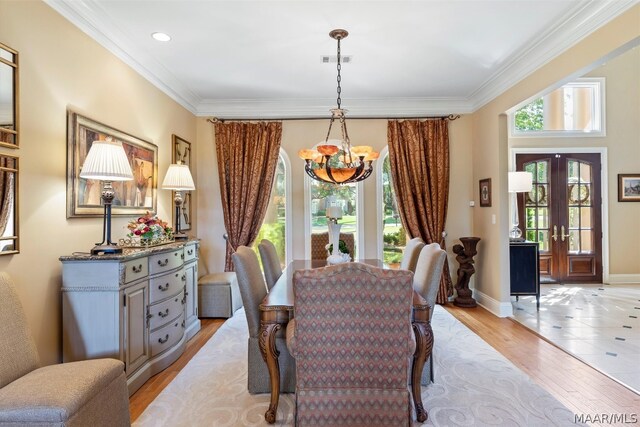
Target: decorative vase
464	256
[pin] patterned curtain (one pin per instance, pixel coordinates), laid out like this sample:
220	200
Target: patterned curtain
419	158
247	159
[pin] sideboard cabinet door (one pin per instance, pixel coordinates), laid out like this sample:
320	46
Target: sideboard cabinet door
136	341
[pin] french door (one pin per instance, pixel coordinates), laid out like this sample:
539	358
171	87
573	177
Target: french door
563	213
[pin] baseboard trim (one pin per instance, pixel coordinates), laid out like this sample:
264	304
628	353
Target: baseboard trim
499	308
620	279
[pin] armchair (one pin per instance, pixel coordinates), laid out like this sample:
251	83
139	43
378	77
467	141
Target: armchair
411	253
87	393
353	344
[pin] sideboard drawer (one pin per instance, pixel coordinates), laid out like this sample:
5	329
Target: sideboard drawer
167	336
166	286
190	252
135	269
163	312
167	261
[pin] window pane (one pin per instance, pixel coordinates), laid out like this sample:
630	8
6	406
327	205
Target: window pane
393	234
585	217
586	241
530	217
543	239
543	218
585	172
574	241
543	172
574	217
274	225
573	168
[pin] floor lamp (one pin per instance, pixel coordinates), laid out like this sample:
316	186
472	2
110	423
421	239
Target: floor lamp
519	182
178	179
108	162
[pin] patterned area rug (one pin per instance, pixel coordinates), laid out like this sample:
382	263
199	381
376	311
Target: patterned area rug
474	386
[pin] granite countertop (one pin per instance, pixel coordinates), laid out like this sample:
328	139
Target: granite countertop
127	253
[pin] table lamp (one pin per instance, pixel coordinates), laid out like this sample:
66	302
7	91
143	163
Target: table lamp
178	179
519	182
108	162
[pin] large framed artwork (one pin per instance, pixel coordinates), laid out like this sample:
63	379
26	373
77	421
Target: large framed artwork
84	195
629	187
182	153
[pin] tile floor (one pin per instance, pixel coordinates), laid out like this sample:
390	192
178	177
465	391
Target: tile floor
599	324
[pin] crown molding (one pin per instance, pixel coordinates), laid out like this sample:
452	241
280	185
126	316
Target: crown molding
319	108
583	19
90	18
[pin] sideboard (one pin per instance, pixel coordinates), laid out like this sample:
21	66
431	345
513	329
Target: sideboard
140	306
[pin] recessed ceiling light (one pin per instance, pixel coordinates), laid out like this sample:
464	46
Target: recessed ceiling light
161	37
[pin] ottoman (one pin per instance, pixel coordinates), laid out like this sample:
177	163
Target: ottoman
218	295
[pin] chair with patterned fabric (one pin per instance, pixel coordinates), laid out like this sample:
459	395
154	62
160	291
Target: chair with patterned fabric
84	393
320	240
253	290
353	343
411	253
426	281
270	262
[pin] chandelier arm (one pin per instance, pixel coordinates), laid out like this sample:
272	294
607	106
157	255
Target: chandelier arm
329	131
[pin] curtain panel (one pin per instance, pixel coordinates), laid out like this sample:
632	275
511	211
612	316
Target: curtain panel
247	158
419	159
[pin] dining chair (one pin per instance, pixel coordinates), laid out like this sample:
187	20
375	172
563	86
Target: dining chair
353	352
426	281
319	241
411	253
270	262
253	289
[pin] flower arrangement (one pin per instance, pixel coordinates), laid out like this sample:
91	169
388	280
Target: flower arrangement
149	230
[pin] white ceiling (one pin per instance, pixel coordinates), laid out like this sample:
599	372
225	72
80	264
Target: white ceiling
262	59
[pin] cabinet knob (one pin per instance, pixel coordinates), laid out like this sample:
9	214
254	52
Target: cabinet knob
190	252
165	314
162	341
163	264
137	269
165	288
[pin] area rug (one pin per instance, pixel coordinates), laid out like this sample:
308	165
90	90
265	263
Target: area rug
474	386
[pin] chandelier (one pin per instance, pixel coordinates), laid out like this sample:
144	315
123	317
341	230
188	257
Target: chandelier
337	162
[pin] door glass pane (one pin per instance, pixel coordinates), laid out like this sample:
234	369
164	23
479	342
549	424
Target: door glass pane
574	241
530	216
585	217
543	194
586	241
579	194
543	218
531	168
543	172
574	217
585	172
531	235
573	169
543	240
585	194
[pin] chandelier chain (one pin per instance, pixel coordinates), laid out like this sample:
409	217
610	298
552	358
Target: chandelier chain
339	78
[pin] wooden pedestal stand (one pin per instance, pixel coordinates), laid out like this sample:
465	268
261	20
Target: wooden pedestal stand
465	271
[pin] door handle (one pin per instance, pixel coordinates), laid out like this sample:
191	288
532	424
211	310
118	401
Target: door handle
562	235
555	233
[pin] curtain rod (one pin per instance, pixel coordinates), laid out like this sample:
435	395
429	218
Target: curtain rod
450	117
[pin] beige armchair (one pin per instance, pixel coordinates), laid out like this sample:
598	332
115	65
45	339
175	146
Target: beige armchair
353	343
88	393
411	253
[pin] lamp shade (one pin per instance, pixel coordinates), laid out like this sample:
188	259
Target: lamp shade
520	182
106	161
334	212
178	178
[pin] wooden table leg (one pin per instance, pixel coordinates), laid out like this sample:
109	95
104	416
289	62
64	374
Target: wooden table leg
424	345
270	355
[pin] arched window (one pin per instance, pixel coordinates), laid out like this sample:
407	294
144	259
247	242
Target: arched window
391	235
275	226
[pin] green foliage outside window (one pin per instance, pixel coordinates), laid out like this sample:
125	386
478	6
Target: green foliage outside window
530	116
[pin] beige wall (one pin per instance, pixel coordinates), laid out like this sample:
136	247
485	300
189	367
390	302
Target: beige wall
490	147
297	134
61	68
622	143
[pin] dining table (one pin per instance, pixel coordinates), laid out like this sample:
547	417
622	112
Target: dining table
277	309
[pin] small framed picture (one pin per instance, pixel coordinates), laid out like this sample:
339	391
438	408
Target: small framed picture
485	193
629	187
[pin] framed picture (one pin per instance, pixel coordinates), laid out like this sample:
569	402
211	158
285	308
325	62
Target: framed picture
182	153
629	187
485	193
84	195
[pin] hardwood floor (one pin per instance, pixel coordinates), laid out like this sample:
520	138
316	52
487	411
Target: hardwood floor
139	401
579	387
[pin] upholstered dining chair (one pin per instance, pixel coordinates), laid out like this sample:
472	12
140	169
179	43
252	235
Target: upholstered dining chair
320	240
84	393
426	281
253	289
411	253
270	262
353	344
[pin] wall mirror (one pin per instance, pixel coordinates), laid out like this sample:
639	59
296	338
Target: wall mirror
8	205
182	153
8	97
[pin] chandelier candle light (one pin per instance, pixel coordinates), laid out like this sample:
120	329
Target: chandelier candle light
178	179
341	163
106	161
518	182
